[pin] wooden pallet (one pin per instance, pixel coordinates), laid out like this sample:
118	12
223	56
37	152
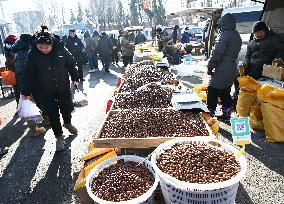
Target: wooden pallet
133	142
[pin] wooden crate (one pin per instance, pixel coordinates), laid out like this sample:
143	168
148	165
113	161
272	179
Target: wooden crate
133	142
273	72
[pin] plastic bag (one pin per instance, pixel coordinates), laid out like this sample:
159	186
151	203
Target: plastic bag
273	120
249	84
245	100
255	117
212	122
80	99
272	95
29	111
8	77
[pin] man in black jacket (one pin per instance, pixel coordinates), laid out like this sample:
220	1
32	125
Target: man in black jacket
46	74
76	47
263	49
105	50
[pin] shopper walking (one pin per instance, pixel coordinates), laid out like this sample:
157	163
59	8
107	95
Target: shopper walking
76	47
91	51
47	69
105	47
21	48
115	50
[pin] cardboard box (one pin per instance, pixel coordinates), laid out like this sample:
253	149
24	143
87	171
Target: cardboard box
273	72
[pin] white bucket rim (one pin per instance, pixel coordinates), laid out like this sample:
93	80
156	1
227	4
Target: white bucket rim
105	164
195	186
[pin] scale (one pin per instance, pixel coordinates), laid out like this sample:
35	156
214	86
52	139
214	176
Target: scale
163	63
188	100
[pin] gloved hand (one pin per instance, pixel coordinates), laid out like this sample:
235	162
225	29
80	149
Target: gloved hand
76	84
209	72
245	65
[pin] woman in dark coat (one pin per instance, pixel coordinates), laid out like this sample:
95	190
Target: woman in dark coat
47	69
21	49
222	66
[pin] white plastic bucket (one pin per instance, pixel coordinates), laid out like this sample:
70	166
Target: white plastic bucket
176	191
146	198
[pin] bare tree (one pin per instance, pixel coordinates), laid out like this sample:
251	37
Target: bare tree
104	10
51	9
28	21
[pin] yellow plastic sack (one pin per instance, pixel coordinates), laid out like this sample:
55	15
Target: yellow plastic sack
201	91
156	57
212	122
200	87
245	100
273	120
272	95
202	95
255	117
249	84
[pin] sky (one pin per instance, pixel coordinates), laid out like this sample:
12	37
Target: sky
11	6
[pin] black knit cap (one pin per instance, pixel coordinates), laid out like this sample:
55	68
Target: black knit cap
44	36
258	26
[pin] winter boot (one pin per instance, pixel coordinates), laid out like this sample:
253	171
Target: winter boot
46	121
212	112
71	128
4	151
226	116
36	131
60	143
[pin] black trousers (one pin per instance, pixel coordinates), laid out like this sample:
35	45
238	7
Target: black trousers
79	66
127	60
212	99
115	56
62	104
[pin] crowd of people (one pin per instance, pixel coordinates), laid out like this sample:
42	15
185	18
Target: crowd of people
44	62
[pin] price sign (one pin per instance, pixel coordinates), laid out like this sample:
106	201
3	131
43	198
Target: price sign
241	130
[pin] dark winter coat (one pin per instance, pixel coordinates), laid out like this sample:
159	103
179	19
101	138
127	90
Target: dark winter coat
263	51
224	54
47	75
140	38
105	46
115	44
176	35
21	49
185	37
75	47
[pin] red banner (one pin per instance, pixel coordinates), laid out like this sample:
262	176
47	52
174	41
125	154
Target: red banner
147	5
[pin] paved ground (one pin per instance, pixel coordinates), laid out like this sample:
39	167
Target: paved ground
32	172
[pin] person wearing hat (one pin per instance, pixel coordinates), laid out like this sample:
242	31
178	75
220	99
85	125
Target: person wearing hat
263	49
76	47
185	38
222	66
46	74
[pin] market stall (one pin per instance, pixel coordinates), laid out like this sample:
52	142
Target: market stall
149	107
